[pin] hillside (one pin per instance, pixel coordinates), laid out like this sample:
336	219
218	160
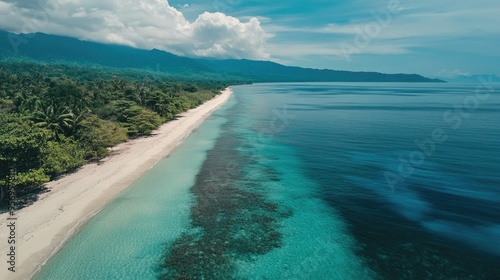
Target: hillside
51	48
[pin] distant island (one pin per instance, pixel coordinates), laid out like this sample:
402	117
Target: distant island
62	50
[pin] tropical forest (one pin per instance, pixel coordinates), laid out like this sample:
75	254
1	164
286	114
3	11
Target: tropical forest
56	117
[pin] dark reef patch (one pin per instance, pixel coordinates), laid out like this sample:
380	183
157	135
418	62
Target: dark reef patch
232	219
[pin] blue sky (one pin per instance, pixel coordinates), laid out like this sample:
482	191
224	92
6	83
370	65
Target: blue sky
435	38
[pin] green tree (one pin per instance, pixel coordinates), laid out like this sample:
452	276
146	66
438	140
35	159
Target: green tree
96	135
21	147
61	156
143	123
56	118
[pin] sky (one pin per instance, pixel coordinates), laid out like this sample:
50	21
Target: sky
442	38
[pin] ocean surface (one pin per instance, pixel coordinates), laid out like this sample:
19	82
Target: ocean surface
313	181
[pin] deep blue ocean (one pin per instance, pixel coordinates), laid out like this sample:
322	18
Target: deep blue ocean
313	181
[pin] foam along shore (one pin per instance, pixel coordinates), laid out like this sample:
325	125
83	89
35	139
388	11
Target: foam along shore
43	228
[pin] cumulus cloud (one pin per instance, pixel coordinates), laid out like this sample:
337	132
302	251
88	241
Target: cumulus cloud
221	36
141	23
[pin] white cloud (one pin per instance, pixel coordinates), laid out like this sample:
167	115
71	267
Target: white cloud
141	23
418	25
221	36
332	49
453	26
453	73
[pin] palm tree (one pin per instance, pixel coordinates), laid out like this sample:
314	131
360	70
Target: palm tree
56	118
80	113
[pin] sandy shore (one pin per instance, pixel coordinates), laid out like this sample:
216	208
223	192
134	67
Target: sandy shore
42	228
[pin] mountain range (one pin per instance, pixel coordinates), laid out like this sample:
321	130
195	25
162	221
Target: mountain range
59	49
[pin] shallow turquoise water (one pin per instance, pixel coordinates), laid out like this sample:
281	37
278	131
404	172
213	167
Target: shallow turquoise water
128	238
289	181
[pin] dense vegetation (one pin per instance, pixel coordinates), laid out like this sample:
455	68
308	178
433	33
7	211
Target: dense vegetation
54	118
50	48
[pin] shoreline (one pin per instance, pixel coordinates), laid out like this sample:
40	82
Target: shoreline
45	226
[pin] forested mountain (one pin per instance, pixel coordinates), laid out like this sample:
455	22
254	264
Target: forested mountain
266	71
51	48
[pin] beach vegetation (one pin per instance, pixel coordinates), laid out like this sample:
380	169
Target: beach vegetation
56	117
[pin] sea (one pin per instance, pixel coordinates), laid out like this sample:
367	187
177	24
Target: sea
313	181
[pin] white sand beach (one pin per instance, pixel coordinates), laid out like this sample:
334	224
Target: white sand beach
44	227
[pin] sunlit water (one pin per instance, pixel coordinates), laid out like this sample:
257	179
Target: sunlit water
313	181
